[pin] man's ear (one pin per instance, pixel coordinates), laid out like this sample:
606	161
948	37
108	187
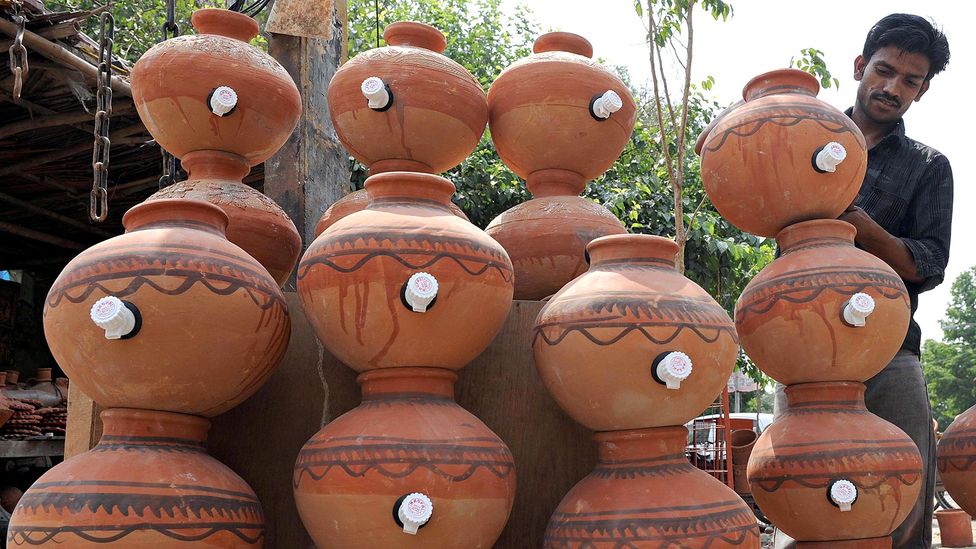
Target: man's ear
922	90
859	64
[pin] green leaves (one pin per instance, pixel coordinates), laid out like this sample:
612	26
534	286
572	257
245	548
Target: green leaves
811	60
950	365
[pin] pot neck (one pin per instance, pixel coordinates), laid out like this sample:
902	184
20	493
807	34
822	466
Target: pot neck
215	165
555	182
641	444
835	394
418	35
409	186
176	212
152	427
780	82
819	232
390	382
224	23
632	249
565	42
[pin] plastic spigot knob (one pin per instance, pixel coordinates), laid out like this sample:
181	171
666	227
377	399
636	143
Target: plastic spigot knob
843	493
674	368
606	104
223	100
830	156
415	510
111	314
420	291
377	93
858	308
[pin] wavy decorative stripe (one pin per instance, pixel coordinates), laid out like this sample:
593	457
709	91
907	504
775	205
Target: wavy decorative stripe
624	529
142	504
324	260
42	535
755	120
709	334
399	458
866	481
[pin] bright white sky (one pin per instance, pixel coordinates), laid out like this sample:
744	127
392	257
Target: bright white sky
764	35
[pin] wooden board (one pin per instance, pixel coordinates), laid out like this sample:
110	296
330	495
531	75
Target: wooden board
84	427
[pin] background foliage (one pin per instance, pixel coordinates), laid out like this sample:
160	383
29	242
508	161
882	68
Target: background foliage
950	364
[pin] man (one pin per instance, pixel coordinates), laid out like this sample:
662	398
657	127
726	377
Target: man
902	215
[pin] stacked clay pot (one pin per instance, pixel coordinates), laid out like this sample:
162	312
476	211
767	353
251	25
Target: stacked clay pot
957	460
404	107
141	322
404	291
558	120
822	318
222	106
634	350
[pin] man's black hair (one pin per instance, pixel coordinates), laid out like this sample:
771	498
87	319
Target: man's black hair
912	34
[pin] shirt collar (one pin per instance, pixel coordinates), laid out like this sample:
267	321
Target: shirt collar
897	133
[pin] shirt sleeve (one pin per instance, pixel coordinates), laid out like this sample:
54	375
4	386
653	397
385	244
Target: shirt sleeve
929	223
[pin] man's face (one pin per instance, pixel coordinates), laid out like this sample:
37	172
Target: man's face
889	82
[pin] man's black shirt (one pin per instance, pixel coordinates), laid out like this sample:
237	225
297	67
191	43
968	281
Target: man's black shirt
908	191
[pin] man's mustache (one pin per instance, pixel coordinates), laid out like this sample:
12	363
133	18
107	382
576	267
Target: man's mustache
886	97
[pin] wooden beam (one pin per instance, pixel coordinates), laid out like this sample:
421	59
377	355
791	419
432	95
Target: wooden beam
57	119
25	103
56	216
42	159
59	54
41	237
84	426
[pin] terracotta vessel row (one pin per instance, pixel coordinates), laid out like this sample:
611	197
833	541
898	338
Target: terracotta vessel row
408	437
957	460
147	483
223	106
828	469
781	156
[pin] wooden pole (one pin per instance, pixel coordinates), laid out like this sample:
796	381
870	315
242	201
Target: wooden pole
311	171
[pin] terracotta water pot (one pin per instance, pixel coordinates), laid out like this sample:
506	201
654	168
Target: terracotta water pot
407	441
387	286
202	323
830	470
255	222
759	163
432	112
353	202
546	238
645	494
147	483
632	343
542	118
955	528
174	85
957	460
810	300
743	440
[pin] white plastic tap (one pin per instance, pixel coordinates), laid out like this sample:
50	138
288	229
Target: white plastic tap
607	104
223	100
420	291
414	511
674	368
830	156
857	309
111	314
376	93
843	493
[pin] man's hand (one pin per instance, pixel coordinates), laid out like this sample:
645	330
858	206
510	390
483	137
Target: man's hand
878	242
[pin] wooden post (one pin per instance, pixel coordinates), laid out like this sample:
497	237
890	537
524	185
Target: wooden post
312	170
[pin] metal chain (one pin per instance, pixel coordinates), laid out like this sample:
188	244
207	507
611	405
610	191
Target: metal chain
169	30
98	209
17	51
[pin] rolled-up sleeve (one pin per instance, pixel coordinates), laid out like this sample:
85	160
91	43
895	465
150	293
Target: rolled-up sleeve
929	223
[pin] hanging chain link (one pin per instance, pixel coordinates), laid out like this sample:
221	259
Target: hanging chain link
169	30
98	210
17	51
